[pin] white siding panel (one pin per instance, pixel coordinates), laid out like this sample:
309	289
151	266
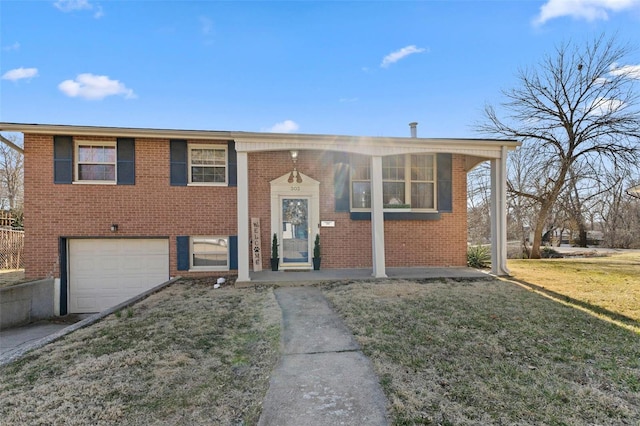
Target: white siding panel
105	272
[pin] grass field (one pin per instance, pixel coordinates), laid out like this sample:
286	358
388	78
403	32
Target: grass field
609	283
539	349
491	353
187	355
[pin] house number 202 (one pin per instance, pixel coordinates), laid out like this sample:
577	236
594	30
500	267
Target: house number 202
295	188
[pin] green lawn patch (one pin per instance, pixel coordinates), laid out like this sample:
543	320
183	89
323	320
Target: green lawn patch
609	283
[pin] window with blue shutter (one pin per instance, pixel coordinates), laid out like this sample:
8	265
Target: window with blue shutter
93	161
413	184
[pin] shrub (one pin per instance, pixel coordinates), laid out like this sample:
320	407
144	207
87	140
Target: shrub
316	247
274	247
478	257
549	253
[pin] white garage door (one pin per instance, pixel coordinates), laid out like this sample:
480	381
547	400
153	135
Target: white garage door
105	272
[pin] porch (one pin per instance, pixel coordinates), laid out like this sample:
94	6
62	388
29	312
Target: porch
312	277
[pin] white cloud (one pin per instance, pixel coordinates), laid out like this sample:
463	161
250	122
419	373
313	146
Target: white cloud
286	126
14	46
20	73
94	87
72	5
394	57
589	10
631	71
602	106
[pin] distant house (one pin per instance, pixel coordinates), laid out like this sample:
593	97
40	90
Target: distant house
110	212
634	191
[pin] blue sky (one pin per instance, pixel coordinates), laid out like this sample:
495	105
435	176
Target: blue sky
358	68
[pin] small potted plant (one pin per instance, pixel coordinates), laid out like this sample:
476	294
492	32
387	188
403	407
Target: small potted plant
275	257
316	253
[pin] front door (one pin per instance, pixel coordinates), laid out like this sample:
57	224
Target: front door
295	231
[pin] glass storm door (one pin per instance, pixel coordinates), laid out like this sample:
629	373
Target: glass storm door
295	231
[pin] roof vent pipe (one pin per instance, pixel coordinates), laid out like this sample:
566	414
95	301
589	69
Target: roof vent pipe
414	129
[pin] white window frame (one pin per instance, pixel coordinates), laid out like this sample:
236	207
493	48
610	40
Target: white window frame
208	268
407	187
76	162
191	147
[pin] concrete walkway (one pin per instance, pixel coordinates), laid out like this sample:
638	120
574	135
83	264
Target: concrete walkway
323	378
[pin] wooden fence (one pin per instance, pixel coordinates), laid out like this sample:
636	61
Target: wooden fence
11	249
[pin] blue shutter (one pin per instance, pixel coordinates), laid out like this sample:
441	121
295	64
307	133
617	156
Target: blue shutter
232	163
62	250
233	252
445	187
62	159
178	162
341	181
126	161
182	244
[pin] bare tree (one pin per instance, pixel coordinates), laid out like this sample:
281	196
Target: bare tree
619	212
577	105
479	205
11	178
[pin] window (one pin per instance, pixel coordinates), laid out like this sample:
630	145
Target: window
207	164
95	162
210	253
408	181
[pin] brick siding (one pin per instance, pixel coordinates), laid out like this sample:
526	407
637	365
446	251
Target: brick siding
154	208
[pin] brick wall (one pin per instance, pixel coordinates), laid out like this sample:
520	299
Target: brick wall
348	245
154	208
150	208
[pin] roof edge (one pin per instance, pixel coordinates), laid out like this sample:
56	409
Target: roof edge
76	130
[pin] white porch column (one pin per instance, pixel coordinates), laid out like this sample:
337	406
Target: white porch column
377	218
243	217
499	214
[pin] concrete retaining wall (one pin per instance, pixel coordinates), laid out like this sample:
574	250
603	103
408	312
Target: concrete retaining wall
25	303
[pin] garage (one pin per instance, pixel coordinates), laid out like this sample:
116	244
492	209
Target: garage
105	272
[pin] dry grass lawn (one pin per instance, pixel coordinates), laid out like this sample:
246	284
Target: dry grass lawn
186	355
491	352
611	283
482	352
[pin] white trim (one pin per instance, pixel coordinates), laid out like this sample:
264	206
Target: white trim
77	163
191	147
407	187
208	268
310	189
377	218
255	142
242	195
499	215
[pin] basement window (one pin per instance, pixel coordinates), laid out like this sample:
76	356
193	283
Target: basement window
209	253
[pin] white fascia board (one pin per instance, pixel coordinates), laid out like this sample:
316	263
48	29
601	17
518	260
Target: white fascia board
48	129
257	142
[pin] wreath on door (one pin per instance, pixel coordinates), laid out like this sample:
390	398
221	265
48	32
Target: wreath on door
295	213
